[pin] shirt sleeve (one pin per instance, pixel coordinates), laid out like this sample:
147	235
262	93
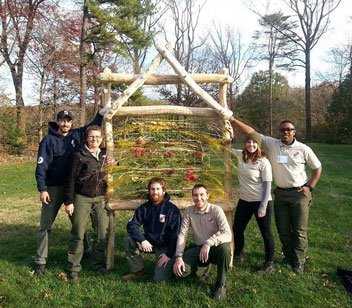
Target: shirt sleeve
44	160
224	235
174	230
182	236
98	120
133	225
311	159
266	171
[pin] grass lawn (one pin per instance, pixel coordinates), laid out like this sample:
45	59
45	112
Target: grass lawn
330	236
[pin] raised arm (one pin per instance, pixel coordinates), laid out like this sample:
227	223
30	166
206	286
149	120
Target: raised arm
244	128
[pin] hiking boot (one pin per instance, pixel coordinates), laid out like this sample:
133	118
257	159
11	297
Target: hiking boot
220	291
267	268
73	276
298	268
130	276
39	269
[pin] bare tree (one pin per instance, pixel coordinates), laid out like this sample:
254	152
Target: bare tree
228	51
185	16
313	17
17	23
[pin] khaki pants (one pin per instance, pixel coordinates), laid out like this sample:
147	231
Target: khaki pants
47	218
85	207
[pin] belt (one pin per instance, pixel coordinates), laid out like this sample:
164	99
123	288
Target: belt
290	188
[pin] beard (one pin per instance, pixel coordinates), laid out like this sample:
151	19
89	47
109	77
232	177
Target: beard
158	198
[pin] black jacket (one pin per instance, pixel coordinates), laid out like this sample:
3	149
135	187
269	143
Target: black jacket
86	176
161	224
55	151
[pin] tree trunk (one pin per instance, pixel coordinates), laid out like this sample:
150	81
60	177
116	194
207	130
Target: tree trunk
83	65
21	116
307	97
41	108
270	99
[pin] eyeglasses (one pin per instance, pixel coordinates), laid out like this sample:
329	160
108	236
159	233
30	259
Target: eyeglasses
94	137
282	130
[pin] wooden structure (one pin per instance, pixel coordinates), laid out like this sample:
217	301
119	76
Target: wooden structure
216	109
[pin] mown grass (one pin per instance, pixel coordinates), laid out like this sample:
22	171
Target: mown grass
330	236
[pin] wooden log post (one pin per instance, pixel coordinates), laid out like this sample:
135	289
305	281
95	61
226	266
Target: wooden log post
109	144
187	79
227	157
136	84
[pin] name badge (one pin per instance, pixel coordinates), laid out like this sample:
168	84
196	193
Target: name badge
282	159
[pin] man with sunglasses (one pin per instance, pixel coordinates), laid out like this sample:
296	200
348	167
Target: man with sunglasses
293	192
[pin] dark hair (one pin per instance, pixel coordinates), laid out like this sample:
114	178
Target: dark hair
287	121
199	186
161	181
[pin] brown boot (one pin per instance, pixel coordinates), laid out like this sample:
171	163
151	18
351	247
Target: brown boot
130	276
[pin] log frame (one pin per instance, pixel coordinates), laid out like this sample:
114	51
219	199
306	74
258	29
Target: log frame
155	79
136	81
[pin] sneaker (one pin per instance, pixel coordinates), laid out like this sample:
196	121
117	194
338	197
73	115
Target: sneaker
39	269
73	276
267	268
130	276
220	291
298	268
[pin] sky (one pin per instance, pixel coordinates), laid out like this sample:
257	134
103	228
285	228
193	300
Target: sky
238	16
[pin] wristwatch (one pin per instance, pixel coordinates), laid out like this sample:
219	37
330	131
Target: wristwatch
310	187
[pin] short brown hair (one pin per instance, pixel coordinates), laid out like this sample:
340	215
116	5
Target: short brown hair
161	181
93	127
199	186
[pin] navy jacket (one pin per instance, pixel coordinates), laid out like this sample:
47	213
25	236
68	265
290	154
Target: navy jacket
86	176
161	224
54	154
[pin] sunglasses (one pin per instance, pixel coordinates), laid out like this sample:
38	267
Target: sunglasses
287	129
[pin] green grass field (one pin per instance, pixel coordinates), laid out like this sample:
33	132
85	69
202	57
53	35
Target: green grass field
330	236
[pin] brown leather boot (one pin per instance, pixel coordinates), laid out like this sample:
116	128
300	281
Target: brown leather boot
130	276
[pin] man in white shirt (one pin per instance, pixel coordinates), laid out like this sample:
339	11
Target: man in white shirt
293	194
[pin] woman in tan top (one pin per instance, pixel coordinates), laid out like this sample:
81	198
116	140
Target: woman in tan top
255	176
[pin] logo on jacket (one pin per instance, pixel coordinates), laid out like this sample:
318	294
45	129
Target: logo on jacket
73	143
295	154
40	160
162	218
211	219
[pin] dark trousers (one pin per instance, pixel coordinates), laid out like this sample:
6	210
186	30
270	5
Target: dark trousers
218	255
291	216
243	215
